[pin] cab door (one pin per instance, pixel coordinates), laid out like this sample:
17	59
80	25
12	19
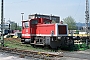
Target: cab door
26	29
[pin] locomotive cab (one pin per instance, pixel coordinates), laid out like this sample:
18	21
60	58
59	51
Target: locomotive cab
29	26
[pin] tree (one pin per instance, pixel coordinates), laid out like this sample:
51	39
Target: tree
70	22
19	28
53	21
13	26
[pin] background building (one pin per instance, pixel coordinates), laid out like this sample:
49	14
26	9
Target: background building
9	27
55	19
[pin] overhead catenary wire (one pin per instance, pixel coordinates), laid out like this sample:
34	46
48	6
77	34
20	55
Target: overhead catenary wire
78	7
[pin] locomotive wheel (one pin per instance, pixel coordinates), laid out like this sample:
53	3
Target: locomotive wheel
53	45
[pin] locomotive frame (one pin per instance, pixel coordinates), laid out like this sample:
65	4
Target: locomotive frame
40	31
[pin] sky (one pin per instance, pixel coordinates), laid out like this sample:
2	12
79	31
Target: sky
62	8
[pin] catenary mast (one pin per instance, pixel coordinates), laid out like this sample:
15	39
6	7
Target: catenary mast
87	16
2	24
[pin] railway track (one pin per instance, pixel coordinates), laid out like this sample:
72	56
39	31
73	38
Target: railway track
35	54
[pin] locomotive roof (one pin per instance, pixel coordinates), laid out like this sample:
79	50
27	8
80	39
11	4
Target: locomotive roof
37	19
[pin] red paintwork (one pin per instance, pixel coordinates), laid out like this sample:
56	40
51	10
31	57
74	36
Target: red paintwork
40	29
43	29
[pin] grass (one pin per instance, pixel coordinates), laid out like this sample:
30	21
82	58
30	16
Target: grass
17	44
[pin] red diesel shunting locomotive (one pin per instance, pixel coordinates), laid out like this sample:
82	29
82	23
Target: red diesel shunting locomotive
40	31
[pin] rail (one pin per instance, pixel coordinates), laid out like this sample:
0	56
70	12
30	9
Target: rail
35	54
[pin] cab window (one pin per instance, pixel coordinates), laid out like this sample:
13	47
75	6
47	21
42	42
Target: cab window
46	21
34	22
26	24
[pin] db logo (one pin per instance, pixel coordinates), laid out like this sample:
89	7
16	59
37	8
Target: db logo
26	30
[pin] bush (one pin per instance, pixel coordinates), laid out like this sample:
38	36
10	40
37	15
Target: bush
80	47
